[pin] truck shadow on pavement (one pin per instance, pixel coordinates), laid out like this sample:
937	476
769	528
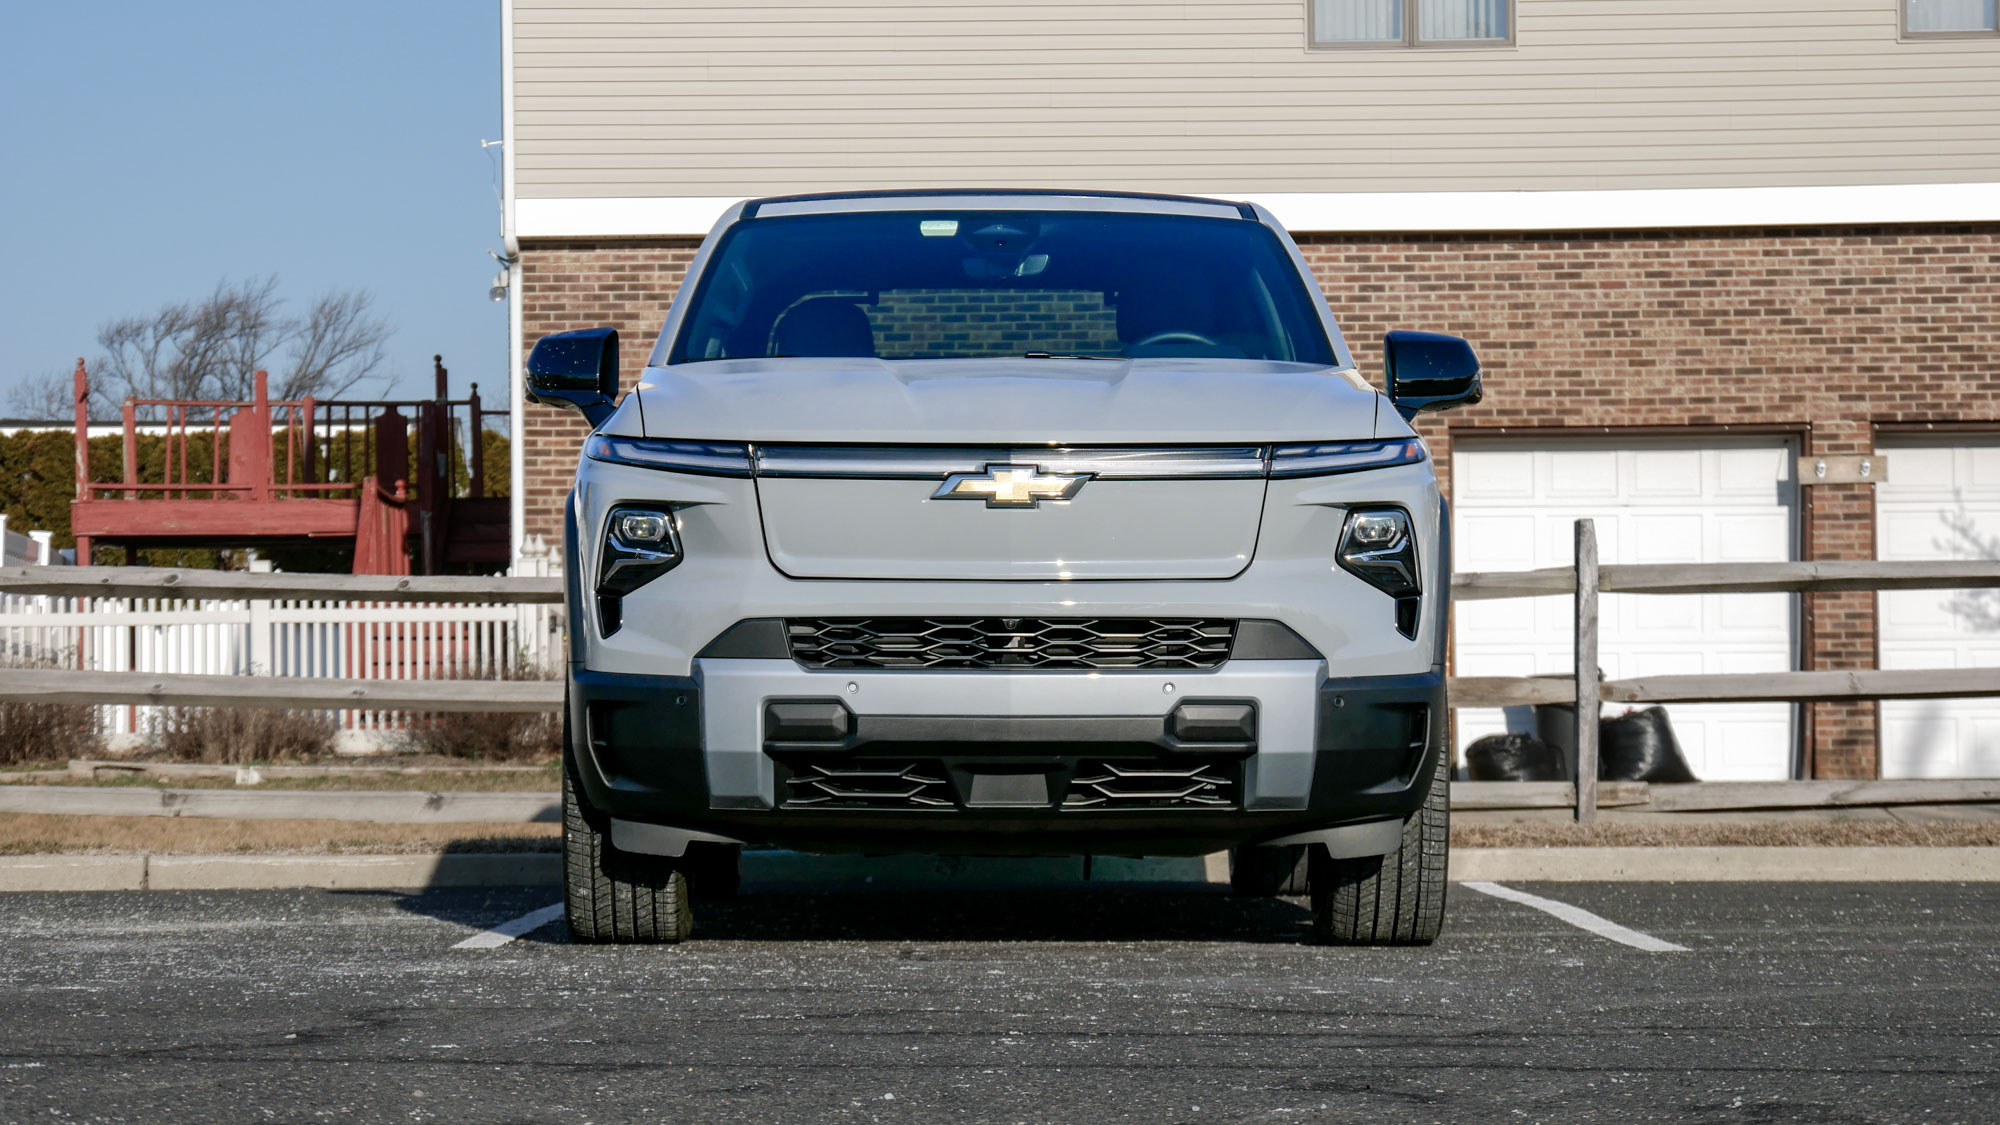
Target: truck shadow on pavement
1123	912
787	897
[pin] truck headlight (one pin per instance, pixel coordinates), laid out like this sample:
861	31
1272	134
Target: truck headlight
640	544
1377	547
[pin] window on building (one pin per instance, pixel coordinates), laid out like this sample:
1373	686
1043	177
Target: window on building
1418	23
1950	18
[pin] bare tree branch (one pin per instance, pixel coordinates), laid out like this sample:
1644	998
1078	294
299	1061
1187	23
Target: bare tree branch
47	397
336	346
209	349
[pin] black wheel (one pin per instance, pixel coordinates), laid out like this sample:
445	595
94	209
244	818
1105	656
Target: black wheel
1261	872
609	896
1394	899
713	870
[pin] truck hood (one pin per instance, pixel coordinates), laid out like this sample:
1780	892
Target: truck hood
1028	401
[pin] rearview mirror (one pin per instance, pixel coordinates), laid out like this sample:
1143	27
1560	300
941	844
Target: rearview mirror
577	371
1429	371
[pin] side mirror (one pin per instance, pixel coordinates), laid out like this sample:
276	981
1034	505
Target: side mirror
1429	371
576	371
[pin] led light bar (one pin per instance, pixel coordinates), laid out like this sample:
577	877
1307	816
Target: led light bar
1344	457
709	458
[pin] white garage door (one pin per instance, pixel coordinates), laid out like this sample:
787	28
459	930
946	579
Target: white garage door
1515	506
1941	501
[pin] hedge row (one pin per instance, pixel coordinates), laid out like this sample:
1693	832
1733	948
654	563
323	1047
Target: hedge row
38	471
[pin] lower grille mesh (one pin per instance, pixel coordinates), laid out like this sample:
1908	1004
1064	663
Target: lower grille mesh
873	785
1148	785
1010	642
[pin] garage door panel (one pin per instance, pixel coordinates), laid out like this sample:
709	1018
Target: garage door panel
1754	474
1502	475
1663	538
1765	537
1758	616
1923	739
1940	501
1661	502
1672	473
1920	469
1580	473
1916	535
1496	663
1985	465
1497	536
1497	617
1661	615
1744	742
1903	657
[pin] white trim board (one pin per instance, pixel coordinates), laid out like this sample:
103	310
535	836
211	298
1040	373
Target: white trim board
1407	211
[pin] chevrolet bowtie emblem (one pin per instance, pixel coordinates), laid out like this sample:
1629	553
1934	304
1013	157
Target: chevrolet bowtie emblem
1010	486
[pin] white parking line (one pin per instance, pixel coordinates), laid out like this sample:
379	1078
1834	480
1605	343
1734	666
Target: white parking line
507	931
1580	918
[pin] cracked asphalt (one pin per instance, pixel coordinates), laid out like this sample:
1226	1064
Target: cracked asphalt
1112	1003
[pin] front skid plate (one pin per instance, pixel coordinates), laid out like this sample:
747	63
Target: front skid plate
740	774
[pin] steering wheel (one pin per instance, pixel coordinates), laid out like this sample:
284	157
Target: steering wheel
1172	336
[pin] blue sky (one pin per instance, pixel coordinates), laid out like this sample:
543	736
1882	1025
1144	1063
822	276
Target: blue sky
151	149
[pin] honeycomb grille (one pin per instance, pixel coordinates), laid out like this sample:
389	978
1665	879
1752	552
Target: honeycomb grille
1152	785
1010	642
873	785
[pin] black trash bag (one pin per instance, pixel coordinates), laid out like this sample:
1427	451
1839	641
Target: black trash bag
1640	746
1514	757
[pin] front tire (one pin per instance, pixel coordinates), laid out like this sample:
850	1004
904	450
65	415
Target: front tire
1394	899
610	897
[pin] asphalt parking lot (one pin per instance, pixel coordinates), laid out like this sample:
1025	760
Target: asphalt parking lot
1106	1003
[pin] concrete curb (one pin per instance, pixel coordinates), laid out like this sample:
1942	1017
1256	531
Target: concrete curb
72	872
785	869
352	872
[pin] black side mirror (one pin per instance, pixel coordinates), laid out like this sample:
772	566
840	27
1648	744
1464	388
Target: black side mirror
576	371
1429	371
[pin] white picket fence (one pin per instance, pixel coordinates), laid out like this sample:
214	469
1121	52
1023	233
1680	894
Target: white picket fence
336	639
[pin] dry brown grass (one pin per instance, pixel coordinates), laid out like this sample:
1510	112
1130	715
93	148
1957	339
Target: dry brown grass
1799	833
39	834
239	736
494	736
540	781
39	732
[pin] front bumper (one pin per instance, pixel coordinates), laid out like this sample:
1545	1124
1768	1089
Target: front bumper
1006	763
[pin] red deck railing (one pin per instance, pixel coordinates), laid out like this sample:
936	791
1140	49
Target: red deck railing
279	463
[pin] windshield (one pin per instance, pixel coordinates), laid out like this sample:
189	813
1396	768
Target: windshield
964	284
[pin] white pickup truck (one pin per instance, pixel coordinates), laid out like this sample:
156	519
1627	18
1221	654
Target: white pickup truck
1005	523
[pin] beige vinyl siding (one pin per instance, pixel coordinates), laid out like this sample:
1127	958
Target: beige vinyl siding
650	98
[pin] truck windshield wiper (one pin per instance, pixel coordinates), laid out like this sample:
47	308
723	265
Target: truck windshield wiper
1062	355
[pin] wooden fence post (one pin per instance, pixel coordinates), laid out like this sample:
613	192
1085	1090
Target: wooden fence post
1587	706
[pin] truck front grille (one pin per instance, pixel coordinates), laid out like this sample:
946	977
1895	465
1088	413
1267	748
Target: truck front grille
868	785
1152	785
1010	642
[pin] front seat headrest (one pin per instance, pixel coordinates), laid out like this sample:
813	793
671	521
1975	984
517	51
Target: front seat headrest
824	326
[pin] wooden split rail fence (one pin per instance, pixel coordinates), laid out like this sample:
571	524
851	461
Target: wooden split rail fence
1584	581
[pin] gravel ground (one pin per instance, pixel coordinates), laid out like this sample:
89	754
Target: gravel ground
1144	1003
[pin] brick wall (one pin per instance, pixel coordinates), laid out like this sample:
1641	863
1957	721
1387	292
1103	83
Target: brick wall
1836	329
1831	328
626	284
